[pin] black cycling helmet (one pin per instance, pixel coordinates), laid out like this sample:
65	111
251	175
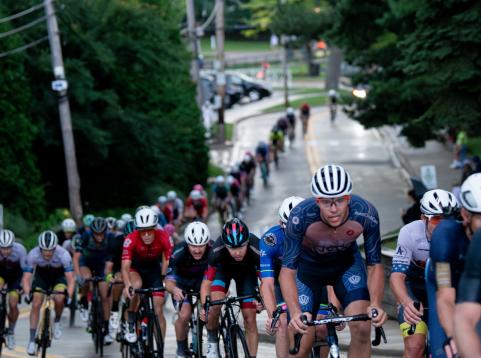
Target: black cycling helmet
235	233
99	225
129	227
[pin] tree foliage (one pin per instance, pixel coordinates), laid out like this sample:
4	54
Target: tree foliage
135	119
421	60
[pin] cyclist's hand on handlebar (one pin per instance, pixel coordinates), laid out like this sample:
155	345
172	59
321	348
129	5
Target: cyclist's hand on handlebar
178	294
450	348
296	322
379	318
411	314
129	292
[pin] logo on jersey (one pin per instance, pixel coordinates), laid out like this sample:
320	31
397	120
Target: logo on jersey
263	253
304	300
350	232
270	239
127	242
400	251
354	279
295	220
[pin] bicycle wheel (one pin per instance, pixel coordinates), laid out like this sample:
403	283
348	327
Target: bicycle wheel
3	317
73	308
238	343
100	327
155	342
196	331
45	338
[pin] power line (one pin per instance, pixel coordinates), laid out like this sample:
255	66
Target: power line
23	27
20	14
24	47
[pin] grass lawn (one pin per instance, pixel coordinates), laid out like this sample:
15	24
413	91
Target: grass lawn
229	131
236	46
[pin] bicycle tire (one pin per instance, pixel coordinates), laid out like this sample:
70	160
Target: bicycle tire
100	327
198	326
156	343
73	309
3	319
44	340
93	324
238	343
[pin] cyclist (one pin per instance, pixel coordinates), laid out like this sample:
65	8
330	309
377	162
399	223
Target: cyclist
320	249
90	259
449	244
196	206
53	271
68	229
162	219
126	217
467	329
234	256
113	267
110	220
200	188
185	272
87	221
165	208
332	98
408	265
262	155
221	197
248	167
305	110
235	192
145	259
291	118
271	249
13	260
276	139
177	207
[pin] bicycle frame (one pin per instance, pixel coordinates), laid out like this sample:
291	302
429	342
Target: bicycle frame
3	317
96	316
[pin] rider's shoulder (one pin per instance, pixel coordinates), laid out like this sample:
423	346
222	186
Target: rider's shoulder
414	229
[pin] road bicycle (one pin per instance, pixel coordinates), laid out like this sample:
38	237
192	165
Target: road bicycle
332	320
196	325
44	332
149	343
333	111
233	338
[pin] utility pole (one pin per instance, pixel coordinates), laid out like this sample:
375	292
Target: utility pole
333	68
192	33
220	64
285	70
60	85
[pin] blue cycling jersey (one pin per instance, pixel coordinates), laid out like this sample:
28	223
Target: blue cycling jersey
320	246
271	250
449	245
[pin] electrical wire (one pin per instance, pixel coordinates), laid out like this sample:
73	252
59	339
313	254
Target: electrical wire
24	47
22	13
23	27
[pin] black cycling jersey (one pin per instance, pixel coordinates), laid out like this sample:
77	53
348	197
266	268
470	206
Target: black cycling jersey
115	248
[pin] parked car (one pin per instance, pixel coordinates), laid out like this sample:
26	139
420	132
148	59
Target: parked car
253	89
233	92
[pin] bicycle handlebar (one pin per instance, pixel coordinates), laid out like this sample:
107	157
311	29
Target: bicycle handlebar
412	329
147	291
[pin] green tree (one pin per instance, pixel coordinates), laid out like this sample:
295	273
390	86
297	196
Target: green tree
21	189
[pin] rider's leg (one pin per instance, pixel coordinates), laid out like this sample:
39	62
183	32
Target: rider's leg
84	290
159	312
135	282
414	346
13	312
282	340
59	300
360	345
182	327
116	292
34	314
250	325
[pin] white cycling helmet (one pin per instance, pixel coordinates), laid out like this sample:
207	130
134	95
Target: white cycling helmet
287	205
7	238
219	179
110	222
162	199
332	92
197	234
171	195
47	240
68	225
120	224
126	217
146	218
331	181
470	195
290	110
195	195
438	202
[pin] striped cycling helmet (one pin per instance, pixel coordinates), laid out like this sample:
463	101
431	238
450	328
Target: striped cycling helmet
235	233
331	181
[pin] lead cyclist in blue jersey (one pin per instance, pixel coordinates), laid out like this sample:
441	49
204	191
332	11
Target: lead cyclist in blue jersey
320	249
271	248
449	244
